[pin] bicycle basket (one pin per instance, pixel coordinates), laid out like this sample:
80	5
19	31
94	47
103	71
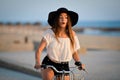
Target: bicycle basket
77	74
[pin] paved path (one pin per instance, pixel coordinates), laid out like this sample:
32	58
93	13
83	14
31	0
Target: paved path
6	74
101	65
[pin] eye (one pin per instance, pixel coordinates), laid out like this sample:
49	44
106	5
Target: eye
61	17
66	17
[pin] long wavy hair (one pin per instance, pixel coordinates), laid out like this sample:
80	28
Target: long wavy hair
69	32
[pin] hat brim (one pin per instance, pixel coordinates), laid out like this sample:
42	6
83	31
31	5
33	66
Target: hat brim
53	14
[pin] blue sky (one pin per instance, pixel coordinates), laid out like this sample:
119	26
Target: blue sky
37	10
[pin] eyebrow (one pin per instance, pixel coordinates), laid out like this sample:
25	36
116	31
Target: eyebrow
63	15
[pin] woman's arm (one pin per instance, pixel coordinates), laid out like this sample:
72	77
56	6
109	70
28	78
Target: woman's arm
76	56
38	52
77	61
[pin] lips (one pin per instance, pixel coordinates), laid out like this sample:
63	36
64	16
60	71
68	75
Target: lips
63	23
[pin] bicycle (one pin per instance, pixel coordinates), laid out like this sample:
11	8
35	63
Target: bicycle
72	73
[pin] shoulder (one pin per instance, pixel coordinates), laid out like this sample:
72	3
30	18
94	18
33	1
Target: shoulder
48	31
74	33
48	34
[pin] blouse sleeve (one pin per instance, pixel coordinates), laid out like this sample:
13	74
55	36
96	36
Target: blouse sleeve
47	36
77	44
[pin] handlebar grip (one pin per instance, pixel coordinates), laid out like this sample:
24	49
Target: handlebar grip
83	69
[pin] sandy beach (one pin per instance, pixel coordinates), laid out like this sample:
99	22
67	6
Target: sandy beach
17	38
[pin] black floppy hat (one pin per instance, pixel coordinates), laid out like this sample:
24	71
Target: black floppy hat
52	15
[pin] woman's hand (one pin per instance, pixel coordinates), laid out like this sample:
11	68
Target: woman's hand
80	65
37	66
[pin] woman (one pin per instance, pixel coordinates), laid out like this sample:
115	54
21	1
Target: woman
61	43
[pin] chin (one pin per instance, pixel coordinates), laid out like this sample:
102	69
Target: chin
63	26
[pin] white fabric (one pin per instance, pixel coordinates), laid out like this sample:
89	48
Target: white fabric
59	51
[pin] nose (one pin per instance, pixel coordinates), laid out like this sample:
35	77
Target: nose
63	19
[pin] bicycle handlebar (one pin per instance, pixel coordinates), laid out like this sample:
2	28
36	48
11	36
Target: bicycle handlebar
49	66
63	71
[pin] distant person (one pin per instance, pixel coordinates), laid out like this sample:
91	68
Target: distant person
61	42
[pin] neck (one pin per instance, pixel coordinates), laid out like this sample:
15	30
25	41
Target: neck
62	30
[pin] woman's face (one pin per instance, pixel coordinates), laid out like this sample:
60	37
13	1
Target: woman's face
63	19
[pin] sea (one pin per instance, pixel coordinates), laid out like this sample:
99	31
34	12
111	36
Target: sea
88	25
98	24
100	33
101	24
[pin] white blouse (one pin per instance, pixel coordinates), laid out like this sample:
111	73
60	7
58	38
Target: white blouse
59	51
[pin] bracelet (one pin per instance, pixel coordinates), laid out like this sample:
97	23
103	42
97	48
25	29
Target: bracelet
78	63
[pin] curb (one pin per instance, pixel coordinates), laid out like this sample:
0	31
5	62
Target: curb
21	69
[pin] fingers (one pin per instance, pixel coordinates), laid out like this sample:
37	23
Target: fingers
37	66
82	67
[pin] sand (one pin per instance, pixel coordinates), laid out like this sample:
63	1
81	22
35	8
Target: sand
16	36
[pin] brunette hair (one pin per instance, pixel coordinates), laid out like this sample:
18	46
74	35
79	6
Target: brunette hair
69	32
